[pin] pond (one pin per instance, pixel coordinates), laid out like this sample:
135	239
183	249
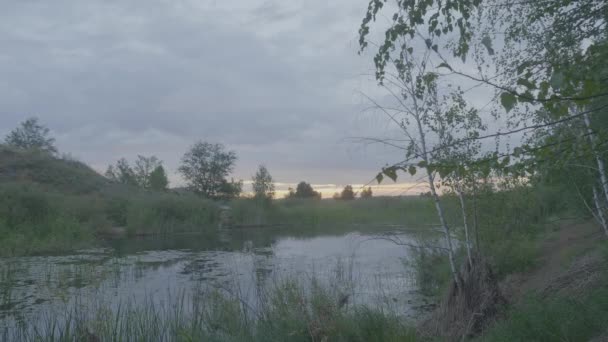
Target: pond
367	269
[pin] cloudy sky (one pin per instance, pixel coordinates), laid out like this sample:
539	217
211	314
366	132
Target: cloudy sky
279	82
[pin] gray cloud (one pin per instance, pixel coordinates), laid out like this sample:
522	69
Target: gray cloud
274	80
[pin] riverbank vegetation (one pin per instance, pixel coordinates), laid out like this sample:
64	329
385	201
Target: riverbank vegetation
522	250
50	204
287	313
57	204
542	63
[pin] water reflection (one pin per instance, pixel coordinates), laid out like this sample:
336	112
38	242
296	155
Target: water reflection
244	263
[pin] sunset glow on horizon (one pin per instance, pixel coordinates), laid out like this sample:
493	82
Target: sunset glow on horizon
328	190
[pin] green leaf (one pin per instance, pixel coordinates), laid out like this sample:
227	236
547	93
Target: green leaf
544	90
522	67
411	170
527	97
487	42
379	177
508	101
557	79
391	173
517	152
526	83
445	65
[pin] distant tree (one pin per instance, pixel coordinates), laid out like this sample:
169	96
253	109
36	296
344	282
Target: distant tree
305	190
229	189
366	193
263	187
347	193
144	166
205	168
122	173
31	135
336	196
158	179
290	193
148	173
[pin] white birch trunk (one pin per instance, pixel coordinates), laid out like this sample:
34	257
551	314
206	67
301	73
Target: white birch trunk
599	211
438	207
475	227
600	163
466	227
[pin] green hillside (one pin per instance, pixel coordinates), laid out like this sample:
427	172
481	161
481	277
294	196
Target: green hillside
50	204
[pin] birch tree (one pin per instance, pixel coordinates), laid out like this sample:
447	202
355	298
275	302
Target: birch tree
419	112
458	129
567	155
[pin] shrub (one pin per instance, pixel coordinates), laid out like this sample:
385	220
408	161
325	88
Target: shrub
431	270
165	213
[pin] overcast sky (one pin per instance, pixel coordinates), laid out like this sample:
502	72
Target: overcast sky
278	82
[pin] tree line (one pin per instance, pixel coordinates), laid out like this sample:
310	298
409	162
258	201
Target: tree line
205	167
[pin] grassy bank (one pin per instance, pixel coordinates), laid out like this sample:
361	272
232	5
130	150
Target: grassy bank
548	257
35	220
50	205
53	205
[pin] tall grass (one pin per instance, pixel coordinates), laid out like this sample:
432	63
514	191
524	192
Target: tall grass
167	213
431	271
35	220
288	313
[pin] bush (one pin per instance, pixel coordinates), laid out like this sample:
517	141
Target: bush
517	253
34	221
116	209
165	213
431	270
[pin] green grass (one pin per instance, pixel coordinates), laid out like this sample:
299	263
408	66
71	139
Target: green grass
34	220
413	211
576	316
288	313
554	319
64	175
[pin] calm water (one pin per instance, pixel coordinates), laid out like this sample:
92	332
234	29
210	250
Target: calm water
239	263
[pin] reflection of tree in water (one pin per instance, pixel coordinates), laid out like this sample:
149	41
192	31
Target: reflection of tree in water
258	238
263	265
262	258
